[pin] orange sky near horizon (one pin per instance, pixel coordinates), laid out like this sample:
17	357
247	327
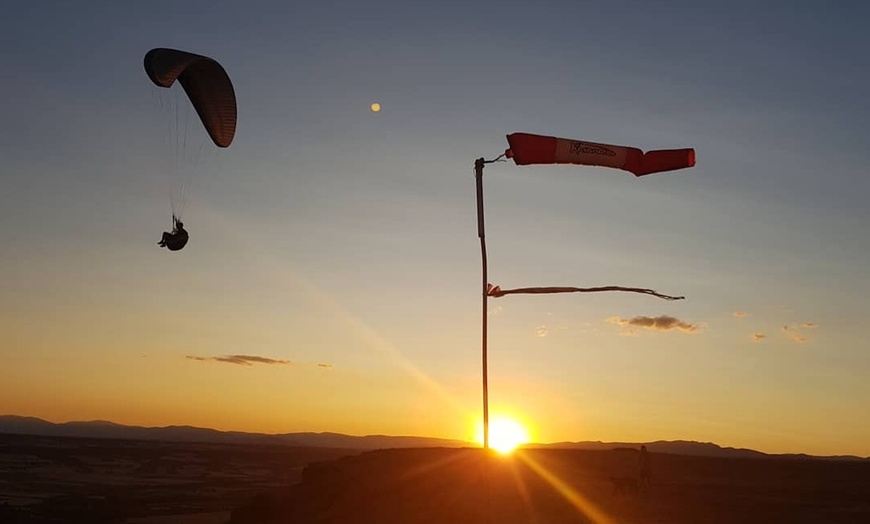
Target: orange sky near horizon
182	391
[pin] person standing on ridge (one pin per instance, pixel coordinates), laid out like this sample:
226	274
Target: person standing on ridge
645	468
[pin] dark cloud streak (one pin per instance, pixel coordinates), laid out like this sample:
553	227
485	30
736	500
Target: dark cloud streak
660	323
240	360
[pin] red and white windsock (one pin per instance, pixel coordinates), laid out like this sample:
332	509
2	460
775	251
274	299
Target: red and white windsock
528	149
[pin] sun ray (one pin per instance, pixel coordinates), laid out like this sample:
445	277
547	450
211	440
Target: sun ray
524	494
585	506
370	336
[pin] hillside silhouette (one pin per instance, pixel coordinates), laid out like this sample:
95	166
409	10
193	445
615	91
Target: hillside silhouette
439	485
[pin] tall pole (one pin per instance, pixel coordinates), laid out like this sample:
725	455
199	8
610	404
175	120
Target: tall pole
478	176
497	292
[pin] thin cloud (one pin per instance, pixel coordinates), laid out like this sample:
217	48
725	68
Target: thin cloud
758	337
240	360
660	323
794	335
793	331
542	331
325	366
740	314
248	360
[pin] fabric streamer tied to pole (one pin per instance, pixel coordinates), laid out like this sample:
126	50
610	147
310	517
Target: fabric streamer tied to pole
497	291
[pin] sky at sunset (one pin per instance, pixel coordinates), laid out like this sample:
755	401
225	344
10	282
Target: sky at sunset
332	279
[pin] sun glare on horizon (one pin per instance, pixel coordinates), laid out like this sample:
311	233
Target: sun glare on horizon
505	434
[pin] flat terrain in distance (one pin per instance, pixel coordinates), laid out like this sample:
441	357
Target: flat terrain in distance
65	479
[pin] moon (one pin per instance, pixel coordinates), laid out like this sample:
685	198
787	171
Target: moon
376	107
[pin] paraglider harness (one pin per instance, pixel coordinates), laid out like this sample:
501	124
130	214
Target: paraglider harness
177	239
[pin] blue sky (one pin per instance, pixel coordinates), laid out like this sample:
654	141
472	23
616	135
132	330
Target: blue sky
330	234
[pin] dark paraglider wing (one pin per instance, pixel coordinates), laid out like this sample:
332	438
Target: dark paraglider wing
206	84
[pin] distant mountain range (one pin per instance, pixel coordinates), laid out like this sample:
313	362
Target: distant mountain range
103	429
689	447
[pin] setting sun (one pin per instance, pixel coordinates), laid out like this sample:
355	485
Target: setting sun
505	434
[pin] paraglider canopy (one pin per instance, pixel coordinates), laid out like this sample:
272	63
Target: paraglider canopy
206	84
211	93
